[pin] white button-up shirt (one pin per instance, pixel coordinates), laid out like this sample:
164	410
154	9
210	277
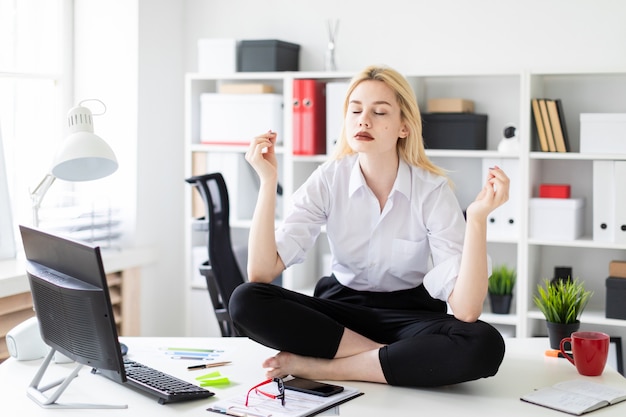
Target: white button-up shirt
417	238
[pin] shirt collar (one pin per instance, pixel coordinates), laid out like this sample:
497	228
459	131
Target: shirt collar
402	183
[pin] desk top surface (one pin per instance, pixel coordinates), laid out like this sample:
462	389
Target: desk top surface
525	368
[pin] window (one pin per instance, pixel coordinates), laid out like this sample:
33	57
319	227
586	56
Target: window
35	94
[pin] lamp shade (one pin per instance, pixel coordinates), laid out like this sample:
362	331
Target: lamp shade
83	155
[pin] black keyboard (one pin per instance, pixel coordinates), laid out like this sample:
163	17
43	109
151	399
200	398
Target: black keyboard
166	387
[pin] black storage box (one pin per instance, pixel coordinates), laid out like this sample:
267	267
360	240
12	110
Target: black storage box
616	298
268	55
454	131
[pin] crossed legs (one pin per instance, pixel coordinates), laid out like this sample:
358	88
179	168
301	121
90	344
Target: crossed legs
356	359
335	340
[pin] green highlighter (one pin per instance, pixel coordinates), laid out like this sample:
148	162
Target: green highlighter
212	379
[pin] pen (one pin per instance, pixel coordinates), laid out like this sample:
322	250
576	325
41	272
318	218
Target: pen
231	412
193	358
207	365
187	353
243	413
554	353
193	350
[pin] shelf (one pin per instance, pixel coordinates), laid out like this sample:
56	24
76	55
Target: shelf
444	153
311	158
207	147
509	319
584	242
505	97
237	76
588	317
576	156
499	239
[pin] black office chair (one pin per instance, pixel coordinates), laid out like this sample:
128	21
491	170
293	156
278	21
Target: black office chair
221	271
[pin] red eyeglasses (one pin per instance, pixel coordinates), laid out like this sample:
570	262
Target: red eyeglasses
281	390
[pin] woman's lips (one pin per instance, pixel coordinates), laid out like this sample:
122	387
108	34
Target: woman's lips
363	136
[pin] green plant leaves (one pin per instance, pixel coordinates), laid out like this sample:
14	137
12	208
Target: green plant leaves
562	301
502	280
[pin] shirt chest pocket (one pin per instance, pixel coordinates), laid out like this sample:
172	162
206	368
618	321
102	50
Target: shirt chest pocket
409	256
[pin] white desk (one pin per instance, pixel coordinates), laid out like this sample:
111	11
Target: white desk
524	368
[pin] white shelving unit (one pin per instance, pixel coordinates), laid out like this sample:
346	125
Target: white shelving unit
505	98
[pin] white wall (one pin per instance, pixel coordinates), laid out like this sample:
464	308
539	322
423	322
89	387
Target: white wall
138	51
160	163
425	35
129	55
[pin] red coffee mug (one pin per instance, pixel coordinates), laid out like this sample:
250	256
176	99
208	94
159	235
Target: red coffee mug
590	351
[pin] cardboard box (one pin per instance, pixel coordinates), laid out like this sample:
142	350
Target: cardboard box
449	105
615	296
603	133
234	119
554	191
268	55
556	218
218	56
454	131
617	269
245	88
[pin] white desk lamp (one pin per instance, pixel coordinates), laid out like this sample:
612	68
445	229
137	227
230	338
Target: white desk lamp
83	156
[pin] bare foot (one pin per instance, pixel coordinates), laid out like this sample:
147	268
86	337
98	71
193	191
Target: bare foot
285	363
364	366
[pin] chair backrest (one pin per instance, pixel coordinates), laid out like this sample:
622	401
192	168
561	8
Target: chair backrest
222	272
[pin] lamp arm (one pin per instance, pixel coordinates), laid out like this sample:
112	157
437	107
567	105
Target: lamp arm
38	194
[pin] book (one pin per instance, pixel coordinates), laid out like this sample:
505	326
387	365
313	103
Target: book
546	124
559	106
297	404
541	132
555	123
576	396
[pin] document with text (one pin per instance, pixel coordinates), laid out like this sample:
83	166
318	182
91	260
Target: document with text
297	404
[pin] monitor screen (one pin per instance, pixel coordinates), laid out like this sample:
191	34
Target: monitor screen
71	300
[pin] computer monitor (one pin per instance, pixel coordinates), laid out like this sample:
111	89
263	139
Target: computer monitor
72	303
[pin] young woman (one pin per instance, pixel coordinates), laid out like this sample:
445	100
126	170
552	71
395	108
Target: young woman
401	252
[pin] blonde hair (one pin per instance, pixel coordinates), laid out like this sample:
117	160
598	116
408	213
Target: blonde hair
411	148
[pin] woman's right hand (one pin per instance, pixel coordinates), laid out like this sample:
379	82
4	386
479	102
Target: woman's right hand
262	156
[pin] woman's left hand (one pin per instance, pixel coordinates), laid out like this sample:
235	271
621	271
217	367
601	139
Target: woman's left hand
494	193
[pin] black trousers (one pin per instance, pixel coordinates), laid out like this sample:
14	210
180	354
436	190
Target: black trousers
425	346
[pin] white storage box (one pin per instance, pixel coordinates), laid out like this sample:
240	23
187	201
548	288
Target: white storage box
556	218
235	119
603	133
218	56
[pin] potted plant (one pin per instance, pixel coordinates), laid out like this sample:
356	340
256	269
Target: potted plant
500	288
562	301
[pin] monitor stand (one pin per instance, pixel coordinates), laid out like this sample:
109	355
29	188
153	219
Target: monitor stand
37	393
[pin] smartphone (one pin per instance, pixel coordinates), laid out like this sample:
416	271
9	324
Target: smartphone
313	387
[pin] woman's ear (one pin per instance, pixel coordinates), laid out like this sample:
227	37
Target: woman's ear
404	132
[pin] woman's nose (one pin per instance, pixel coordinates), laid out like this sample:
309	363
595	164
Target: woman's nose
364	121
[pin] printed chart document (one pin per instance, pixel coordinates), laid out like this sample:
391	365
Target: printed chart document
576	397
297	404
